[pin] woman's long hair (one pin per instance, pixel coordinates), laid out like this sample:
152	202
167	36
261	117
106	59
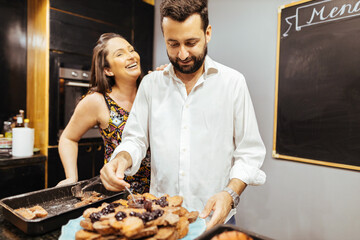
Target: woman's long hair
99	81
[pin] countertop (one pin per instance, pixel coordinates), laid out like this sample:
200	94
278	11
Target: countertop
6	161
9	231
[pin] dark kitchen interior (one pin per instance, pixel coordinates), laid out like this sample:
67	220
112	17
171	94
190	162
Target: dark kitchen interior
74	28
303	198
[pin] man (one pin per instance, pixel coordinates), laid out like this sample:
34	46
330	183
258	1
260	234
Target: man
197	117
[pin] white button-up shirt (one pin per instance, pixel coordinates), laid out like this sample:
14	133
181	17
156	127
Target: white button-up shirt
198	141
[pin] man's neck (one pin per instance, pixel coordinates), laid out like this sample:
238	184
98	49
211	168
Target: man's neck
190	79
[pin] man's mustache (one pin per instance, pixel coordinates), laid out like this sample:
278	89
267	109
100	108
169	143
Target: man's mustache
184	61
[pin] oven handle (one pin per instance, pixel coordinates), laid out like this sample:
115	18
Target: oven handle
77	84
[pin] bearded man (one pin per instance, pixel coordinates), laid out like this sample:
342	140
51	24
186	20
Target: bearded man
198	119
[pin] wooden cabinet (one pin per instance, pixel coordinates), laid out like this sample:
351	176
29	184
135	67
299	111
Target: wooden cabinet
13	16
73	34
99	152
90	161
75	26
74	30
20	175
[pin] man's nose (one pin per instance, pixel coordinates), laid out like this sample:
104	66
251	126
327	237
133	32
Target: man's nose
183	53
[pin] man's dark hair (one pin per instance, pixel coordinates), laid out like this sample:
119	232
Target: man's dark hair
180	10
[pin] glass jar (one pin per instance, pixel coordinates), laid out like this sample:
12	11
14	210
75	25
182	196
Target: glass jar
7	129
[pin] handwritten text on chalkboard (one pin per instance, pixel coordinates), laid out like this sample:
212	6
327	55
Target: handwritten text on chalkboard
323	11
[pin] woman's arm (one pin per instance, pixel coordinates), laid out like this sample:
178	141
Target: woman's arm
85	116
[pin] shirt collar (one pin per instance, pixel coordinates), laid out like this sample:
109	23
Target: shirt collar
210	68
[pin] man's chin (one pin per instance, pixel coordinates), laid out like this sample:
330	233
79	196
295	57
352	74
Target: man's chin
184	68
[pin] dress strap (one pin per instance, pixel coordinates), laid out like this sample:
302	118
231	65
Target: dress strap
107	103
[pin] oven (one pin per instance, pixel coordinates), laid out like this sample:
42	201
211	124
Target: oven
69	78
73	85
69	81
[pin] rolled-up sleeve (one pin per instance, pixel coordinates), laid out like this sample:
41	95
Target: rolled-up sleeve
249	151
135	138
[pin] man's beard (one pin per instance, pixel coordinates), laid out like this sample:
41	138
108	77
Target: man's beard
198	62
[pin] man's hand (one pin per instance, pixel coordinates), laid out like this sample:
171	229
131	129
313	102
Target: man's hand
220	204
112	174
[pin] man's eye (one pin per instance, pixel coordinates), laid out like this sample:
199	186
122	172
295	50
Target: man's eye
173	44
190	44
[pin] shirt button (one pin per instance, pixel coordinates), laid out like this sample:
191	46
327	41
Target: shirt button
187	105
185	127
184	149
182	173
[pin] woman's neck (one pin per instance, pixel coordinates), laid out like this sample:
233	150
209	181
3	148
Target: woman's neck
124	91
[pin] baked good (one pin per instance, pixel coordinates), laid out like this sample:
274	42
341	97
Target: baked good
89	197
32	212
146	217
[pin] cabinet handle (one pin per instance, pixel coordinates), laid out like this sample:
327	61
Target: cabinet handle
89	149
99	148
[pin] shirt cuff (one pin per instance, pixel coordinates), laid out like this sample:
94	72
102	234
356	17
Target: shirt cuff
248	174
129	148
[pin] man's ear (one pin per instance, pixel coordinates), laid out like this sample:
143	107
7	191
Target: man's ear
108	72
208	33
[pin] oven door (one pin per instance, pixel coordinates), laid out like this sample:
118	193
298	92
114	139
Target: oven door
71	93
73	86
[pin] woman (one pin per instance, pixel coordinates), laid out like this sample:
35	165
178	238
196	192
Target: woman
115	76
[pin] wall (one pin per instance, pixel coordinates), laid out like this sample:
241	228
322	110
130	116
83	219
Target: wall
298	201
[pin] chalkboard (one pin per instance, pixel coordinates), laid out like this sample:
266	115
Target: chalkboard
317	105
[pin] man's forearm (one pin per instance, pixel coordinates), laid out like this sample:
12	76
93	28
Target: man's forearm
125	158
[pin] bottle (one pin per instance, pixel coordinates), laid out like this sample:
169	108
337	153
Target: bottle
13	121
20	119
22	113
26	122
7	129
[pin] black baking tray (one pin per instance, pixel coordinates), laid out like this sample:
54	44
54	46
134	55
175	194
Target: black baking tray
226	227
57	201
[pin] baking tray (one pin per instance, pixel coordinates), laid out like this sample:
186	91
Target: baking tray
226	227
57	201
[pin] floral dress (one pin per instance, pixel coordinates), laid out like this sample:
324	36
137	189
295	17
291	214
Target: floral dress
111	135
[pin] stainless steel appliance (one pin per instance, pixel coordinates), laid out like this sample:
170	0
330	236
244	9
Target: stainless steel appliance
73	85
69	80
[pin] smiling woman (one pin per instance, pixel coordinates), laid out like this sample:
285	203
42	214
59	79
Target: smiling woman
115	77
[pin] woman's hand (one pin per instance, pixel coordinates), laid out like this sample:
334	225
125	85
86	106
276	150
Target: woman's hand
220	205
160	68
66	182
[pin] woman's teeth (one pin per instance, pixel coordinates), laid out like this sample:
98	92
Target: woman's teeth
132	65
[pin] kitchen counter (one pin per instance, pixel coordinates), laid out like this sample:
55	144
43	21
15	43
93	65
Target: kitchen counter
9	231
10	161
21	174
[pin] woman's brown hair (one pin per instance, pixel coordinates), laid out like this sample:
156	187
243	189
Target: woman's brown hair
99	81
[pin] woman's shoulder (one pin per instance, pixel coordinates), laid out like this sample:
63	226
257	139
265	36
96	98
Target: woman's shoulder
92	99
93	96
